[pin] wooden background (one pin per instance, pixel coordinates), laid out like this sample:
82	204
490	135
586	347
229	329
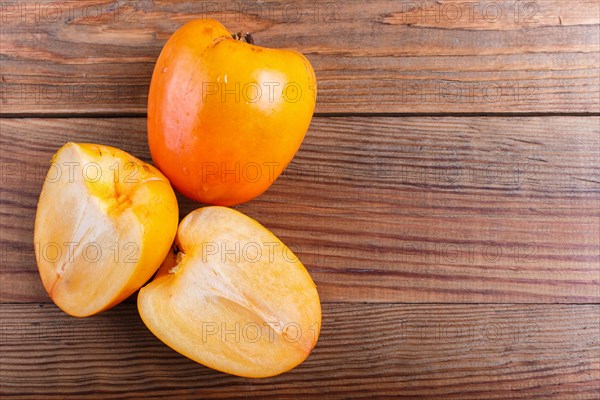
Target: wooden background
446	199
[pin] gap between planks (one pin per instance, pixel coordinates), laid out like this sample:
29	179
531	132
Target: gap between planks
42	304
320	115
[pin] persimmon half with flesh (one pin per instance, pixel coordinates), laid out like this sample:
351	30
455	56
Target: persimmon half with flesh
225	117
105	222
233	298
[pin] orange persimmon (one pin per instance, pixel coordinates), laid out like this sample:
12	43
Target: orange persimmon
105	222
233	298
225	117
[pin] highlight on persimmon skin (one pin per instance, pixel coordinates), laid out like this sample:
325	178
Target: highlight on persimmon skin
225	117
233	297
105	222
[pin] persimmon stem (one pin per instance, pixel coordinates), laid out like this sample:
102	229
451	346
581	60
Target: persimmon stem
243	37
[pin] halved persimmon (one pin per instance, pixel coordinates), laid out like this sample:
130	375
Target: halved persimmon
105	222
233	298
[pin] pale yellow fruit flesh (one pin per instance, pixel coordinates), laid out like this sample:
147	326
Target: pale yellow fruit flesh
105	221
236	299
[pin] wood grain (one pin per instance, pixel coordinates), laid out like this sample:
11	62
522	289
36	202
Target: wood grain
395	217
384	209
97	56
365	351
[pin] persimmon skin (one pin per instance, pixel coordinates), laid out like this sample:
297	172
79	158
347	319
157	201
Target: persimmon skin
226	117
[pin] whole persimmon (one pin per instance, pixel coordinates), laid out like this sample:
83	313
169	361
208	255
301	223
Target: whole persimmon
225	117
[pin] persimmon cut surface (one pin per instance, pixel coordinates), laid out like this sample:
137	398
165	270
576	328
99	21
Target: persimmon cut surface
105	222
225	117
234	298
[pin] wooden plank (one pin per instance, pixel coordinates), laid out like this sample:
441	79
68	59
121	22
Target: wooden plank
365	350
428	56
383	209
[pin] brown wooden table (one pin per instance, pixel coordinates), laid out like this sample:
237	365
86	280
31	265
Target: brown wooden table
446	199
